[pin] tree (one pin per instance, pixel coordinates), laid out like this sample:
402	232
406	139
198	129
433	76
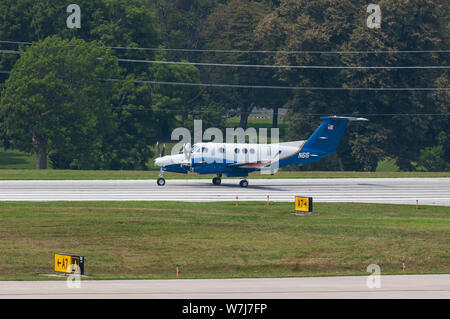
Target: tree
114	22
406	25
431	159
326	25
117	23
231	26
54	104
135	130
168	101
180	23
441	128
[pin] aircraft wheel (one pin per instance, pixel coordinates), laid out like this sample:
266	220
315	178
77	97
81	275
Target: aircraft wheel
216	181
243	183
161	181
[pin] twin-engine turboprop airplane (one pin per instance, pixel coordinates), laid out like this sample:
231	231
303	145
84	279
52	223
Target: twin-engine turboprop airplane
238	160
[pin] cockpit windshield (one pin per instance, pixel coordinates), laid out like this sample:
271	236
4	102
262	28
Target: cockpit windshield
195	148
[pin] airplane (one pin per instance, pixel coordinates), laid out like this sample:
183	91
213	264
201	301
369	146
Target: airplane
240	159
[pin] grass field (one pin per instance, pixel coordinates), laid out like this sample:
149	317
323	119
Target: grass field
125	240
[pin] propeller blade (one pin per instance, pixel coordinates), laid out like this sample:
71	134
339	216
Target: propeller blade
163	150
187	151
157	148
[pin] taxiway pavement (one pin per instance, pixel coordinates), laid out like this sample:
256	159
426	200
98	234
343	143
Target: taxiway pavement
356	287
427	191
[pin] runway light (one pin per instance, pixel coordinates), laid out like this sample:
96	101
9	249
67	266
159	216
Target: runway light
417	205
268	201
178	269
237	200
404	265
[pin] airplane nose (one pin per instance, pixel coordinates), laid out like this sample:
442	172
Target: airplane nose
158	161
165	161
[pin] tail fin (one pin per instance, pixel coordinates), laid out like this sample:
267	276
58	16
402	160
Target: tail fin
327	137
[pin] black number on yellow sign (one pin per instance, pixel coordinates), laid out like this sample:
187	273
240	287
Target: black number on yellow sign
69	263
303	204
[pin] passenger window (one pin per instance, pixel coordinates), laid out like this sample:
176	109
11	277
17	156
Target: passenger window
236	150
221	150
244	150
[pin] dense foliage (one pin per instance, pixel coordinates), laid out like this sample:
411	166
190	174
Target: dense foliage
74	96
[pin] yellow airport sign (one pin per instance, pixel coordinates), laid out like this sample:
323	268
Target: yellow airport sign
68	264
303	204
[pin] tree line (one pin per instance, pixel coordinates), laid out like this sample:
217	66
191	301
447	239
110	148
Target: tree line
84	99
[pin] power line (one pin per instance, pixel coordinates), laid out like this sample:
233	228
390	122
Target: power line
15	42
260	51
272	87
281	66
285	51
9	52
299	88
279	87
269	66
378	114
308	114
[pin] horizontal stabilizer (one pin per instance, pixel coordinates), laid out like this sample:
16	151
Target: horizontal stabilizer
348	118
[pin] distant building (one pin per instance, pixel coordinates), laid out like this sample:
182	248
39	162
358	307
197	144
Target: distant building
263	113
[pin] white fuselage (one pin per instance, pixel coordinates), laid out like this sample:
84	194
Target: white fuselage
233	153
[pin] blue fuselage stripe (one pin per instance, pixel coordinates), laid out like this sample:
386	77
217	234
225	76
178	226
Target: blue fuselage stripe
219	166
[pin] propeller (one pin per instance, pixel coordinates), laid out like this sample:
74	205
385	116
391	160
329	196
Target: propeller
161	154
187	149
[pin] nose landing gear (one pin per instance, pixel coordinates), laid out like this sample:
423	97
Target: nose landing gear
161	181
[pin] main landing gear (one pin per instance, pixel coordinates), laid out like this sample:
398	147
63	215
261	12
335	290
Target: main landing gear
243	183
217	180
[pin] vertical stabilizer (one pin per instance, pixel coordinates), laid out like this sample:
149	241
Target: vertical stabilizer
327	137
